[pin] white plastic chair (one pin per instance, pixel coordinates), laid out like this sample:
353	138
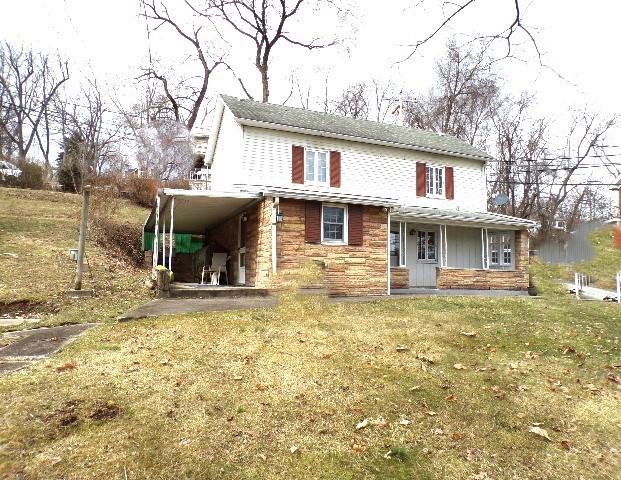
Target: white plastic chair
218	266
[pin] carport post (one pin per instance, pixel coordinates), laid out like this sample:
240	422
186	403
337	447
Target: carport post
172	218
156	244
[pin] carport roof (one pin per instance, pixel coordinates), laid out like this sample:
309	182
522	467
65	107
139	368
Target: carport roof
197	210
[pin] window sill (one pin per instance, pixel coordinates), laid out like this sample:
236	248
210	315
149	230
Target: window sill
436	197
334	243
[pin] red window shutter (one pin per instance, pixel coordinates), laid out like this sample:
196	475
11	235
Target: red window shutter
421	180
297	164
450	188
354	219
335	169
313	222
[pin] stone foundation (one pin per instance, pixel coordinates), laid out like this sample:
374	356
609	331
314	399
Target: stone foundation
399	277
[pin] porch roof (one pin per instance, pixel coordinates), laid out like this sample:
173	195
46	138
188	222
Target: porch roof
456	217
197	210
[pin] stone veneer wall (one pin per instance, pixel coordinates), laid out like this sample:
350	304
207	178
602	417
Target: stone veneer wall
349	270
258	243
399	277
491	279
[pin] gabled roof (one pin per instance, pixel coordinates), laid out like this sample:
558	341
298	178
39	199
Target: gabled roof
280	117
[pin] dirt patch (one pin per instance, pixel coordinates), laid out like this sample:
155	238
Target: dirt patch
65	416
77	411
104	411
26	308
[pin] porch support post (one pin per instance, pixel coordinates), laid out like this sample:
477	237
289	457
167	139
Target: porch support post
388	253
445	247
405	244
172	217
156	245
482	248
441	246
164	239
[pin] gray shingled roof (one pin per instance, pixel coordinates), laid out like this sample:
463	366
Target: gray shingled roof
351	127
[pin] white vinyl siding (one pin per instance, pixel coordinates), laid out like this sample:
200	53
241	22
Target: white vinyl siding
365	169
226	165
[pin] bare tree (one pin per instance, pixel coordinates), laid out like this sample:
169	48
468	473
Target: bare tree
353	102
545	184
28	82
185	99
506	35
264	22
463	99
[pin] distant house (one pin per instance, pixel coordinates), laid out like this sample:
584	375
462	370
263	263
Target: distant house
8	170
378	206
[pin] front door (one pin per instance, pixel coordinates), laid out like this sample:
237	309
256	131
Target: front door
242	249
422	254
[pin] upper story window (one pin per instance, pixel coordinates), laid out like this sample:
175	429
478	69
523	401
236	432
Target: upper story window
500	249
316	167
435	181
334	224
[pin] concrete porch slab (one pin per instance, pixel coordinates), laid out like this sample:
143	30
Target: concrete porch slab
456	292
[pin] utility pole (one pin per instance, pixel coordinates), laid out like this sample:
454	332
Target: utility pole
86	193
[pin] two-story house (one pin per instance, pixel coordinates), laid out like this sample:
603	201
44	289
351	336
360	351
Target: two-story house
376	205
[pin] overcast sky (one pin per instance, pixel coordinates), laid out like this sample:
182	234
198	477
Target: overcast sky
108	39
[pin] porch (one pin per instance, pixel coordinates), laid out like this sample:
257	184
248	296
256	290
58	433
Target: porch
189	230
437	249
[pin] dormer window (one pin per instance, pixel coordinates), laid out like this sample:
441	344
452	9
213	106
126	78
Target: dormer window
316	167
435	181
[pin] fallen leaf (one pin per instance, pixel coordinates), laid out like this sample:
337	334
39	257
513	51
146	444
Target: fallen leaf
468	334
438	431
404	422
238	378
66	367
540	432
431	413
614	378
379	422
451	398
402	348
565	444
363	424
357	448
457	436
414	388
294	449
425	358
459	366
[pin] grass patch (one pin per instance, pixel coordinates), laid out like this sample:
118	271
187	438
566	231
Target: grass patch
37	229
278	392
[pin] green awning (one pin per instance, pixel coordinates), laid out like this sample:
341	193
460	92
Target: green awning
184	242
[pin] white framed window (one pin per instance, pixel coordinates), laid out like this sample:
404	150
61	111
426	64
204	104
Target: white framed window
316	167
333	224
435	181
500	249
426	246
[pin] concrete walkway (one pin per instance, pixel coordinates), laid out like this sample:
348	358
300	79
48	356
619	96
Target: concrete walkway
175	306
33	345
592	293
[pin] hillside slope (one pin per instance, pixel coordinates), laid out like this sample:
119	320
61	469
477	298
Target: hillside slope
37	229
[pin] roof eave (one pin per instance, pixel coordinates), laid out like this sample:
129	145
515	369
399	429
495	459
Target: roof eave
321	133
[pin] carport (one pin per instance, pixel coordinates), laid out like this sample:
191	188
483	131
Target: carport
181	218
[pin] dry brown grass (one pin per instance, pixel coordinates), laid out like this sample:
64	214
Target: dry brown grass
227	395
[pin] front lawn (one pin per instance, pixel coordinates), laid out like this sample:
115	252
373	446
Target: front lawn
443	388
